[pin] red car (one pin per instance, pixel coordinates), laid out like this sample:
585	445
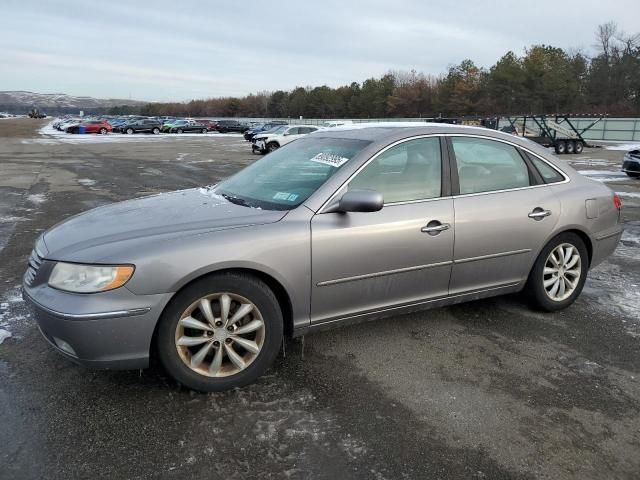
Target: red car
92	126
211	125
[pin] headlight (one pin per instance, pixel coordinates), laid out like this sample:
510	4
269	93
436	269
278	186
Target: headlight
73	277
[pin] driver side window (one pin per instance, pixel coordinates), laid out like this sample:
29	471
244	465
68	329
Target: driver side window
409	171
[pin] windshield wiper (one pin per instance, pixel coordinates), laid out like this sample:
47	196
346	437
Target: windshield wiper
236	200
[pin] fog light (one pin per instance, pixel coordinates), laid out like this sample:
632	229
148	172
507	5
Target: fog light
64	346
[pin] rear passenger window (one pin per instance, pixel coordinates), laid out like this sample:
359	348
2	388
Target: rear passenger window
487	165
549	174
409	171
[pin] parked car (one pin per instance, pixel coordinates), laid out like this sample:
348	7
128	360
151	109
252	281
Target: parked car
91	126
631	163
141	126
336	123
352	225
226	126
184	126
262	127
68	122
270	141
210	124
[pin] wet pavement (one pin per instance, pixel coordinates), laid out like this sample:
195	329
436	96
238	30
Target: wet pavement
485	390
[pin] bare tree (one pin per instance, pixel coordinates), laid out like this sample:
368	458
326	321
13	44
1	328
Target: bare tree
605	36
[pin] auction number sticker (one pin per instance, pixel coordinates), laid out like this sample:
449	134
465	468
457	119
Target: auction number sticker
330	159
286	196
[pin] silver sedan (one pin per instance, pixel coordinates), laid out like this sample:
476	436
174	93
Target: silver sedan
343	225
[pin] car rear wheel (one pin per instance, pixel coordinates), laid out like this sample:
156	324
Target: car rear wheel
179	130
156	131
204	130
560	147
221	332
558	276
129	131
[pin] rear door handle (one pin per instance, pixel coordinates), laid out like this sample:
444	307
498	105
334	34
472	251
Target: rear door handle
539	213
434	227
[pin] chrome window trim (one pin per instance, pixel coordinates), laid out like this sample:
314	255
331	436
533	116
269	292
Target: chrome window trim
444	135
377	154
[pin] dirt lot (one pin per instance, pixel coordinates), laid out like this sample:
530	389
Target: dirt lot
482	390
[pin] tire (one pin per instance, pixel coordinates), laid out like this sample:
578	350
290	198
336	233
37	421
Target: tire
177	359
538	294
103	131
579	147
633	174
272	146
155	131
571	147
560	147
129	131
179	130
204	130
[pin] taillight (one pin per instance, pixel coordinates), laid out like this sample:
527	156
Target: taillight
617	202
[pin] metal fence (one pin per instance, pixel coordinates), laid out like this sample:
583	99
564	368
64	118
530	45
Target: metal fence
608	129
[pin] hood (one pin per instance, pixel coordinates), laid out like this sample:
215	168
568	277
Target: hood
180	213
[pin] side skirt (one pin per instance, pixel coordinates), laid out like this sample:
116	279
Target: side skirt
410	308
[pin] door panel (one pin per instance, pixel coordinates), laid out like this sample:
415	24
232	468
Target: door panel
497	226
368	261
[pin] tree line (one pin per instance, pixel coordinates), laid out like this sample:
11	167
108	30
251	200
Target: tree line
544	79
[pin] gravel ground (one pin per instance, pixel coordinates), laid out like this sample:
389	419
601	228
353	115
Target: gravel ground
485	390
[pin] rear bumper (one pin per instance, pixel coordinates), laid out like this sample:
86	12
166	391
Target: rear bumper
604	245
117	338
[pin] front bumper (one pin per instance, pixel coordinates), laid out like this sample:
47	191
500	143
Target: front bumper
631	166
104	330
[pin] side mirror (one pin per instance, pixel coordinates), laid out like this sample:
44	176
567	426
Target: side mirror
357	201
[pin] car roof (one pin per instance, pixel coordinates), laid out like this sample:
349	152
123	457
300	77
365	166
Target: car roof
387	132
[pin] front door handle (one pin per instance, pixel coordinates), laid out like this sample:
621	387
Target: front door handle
539	213
434	227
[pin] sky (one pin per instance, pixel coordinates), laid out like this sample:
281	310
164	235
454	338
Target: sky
177	51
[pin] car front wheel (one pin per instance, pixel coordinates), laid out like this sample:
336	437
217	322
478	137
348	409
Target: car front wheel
272	146
221	332
129	131
558	276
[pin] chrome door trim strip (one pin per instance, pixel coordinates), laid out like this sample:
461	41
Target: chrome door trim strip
609	235
492	255
382	274
414	304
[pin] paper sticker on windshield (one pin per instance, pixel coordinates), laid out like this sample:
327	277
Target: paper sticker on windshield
330	159
289	197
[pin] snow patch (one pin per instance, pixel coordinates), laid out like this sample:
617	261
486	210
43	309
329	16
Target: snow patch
624	146
629	194
14	315
604	175
87	182
4	334
37	198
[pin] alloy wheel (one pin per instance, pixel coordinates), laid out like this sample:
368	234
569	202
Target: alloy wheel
220	335
561	273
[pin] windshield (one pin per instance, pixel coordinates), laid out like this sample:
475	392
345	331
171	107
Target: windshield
278	129
288	176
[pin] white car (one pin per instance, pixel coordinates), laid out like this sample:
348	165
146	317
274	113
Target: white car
336	123
269	141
